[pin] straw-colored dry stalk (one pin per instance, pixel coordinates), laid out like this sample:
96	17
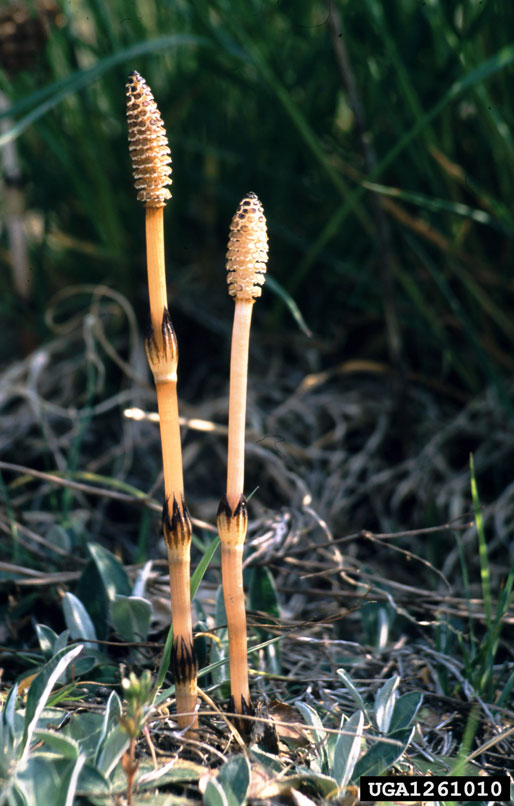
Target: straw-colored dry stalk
246	266
151	161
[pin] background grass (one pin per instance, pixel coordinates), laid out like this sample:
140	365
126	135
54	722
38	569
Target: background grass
378	137
254	98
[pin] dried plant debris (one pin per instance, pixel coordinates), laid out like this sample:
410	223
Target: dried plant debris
354	592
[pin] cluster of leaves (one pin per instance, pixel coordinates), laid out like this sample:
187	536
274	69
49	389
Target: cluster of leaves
45	751
45	746
49	757
54	747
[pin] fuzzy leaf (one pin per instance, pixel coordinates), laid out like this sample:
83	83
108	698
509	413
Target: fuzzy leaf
347	749
131	617
405	710
382	755
345	677
214	794
47	638
234	777
270	762
318	734
111	719
41	688
69	785
39	780
9	710
63	746
91	592
61	642
77	619
141	580
114	746
112	572
16	796
385	702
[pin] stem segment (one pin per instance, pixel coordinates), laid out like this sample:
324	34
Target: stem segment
154	221
237	400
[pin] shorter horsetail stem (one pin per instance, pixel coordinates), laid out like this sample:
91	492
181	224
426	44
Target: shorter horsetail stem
247	254
151	162
246	266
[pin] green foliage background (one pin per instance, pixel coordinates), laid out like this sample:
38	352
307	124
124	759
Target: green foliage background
253	99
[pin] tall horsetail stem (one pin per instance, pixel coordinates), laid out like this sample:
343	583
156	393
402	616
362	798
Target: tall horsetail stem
246	266
151	165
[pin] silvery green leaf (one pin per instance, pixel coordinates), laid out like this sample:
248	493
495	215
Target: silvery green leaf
111	719
345	677
112	572
61	745
77	619
382	755
234	778
41	688
47	638
405	710
38	778
347	748
384	703
141	580
70	781
318	734
113	748
214	794
131	617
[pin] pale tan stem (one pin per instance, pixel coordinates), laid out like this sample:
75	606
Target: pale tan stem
233	594
167	403
155	266
185	690
237	400
163	356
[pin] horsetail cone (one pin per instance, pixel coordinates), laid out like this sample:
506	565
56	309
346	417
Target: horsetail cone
148	144
247	252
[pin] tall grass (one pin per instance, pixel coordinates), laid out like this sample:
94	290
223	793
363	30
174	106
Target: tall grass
253	98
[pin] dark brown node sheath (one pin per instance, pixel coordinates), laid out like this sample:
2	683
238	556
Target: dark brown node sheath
151	164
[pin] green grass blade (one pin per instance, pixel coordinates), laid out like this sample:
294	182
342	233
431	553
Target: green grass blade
502	59
440	206
485	575
57	92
